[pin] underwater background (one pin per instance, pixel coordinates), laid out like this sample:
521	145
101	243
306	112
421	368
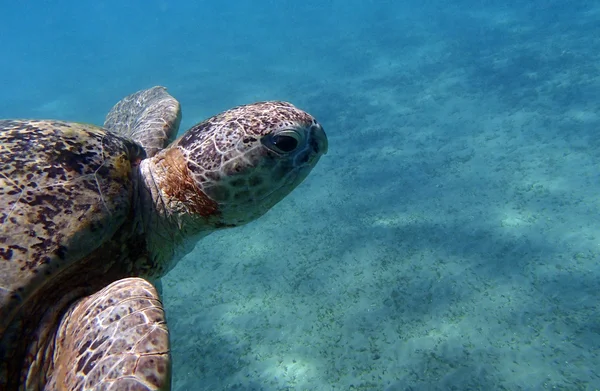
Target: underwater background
449	240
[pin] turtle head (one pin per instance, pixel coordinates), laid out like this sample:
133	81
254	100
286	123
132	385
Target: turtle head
233	167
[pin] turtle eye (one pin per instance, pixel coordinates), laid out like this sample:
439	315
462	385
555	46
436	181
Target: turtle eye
283	142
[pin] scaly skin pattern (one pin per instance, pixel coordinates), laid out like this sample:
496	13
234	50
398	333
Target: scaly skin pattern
86	224
150	117
94	352
233	157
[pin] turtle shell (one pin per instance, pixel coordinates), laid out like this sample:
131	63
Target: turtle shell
65	189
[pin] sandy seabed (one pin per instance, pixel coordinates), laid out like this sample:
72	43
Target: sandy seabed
449	240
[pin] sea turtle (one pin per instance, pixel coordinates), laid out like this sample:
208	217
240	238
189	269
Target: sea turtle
91	218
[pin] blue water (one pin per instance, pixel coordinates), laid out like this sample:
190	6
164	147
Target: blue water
448	241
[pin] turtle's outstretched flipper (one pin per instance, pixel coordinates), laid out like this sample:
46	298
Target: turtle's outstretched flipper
116	339
150	117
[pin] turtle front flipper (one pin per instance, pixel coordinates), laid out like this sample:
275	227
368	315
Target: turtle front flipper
115	339
149	117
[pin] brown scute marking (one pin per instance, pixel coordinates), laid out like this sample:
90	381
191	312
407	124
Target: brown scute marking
83	348
81	362
98	342
91	363
65	191
61	252
148	369
179	184
6	254
71	160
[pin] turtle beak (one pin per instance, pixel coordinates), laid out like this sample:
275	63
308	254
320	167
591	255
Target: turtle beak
318	139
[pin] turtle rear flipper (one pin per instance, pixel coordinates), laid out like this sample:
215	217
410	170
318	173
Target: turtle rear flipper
150	117
116	339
